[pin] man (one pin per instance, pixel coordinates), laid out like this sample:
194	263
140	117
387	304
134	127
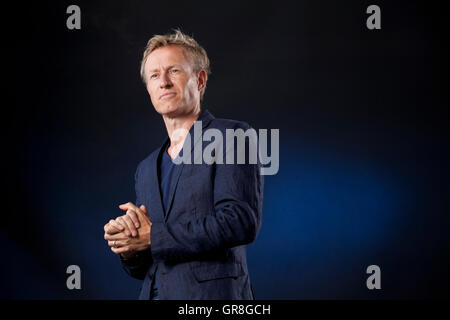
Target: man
186	234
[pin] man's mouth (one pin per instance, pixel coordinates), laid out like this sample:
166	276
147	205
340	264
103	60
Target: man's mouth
167	95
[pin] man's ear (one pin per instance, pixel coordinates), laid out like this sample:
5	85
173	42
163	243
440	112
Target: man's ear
202	78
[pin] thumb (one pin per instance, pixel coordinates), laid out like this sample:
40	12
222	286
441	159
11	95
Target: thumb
143	208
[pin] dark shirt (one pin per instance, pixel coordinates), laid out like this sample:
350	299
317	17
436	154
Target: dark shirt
166	166
165	170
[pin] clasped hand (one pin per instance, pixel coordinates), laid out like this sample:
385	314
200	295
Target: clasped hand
129	233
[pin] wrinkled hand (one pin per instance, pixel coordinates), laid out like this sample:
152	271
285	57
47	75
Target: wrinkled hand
129	233
128	223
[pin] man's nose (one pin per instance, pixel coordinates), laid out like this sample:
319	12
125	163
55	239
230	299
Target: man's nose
165	80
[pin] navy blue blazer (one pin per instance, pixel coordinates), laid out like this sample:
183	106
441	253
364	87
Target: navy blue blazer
214	211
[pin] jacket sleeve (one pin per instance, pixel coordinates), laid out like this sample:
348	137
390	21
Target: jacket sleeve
235	220
138	265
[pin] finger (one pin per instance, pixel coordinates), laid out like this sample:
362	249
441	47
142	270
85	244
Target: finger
117	236
128	205
120	250
122	221
116	227
116	243
130	225
112	230
109	228
132	214
144	209
131	206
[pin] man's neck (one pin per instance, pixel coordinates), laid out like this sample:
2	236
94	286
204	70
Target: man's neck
178	128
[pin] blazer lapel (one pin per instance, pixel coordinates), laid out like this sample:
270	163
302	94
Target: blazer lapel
155	199
205	117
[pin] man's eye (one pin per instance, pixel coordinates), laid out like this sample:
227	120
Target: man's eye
153	76
174	70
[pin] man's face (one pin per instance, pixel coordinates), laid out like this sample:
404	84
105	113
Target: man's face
171	82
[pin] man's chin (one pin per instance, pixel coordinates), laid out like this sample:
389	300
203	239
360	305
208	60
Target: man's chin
168	110
173	111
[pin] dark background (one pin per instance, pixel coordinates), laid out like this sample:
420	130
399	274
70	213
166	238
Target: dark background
364	157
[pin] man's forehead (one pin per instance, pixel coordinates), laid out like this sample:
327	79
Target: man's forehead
166	56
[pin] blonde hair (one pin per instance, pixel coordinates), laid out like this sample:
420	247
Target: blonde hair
192	48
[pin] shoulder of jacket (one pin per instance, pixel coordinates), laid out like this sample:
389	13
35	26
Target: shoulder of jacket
220	123
148	161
